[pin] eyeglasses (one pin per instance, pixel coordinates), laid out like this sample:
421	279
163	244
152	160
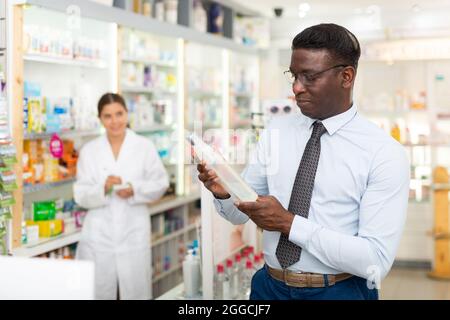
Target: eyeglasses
307	79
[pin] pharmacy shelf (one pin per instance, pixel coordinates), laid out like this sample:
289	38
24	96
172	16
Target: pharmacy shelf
149	62
47	244
431	144
153	128
393	113
243	95
423	182
71	133
64	61
172	202
91	9
147	90
200	94
441	186
28	189
176	293
173	235
166	273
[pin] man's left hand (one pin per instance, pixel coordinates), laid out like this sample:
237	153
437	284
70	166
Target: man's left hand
268	213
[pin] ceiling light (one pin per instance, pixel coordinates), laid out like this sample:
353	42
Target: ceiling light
301	14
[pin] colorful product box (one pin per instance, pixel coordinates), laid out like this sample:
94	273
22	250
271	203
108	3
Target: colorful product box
44	210
49	228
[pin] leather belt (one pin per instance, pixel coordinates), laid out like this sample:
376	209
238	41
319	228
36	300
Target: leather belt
306	280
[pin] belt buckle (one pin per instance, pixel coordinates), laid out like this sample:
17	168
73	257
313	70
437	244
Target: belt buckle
291	284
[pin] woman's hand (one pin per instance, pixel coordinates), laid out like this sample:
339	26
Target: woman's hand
211	181
110	181
126	193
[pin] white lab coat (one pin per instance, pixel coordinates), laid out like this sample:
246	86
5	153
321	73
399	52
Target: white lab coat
116	232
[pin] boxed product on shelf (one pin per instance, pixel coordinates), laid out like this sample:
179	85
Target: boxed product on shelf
148	76
40	166
69	225
6	199
7	180
32	235
67	252
44	210
79	217
53	42
48	228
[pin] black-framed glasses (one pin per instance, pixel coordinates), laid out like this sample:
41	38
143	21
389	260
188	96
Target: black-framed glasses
308	79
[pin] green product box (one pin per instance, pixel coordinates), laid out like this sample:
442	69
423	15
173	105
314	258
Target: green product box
44	210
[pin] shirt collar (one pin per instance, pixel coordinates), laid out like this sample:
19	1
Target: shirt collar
336	122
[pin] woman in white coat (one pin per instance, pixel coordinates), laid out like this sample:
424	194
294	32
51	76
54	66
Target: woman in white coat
118	174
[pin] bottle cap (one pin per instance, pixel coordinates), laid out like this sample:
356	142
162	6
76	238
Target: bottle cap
229	263
237	258
249	264
220	268
257	259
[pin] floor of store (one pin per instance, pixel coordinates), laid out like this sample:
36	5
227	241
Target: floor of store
413	284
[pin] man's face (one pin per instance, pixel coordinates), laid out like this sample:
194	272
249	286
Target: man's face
318	97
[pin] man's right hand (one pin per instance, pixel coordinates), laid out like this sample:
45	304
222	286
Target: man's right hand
211	181
110	181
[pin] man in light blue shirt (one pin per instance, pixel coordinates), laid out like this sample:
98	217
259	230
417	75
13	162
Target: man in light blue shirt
333	187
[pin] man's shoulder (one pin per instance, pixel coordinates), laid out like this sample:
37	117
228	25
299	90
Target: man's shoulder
376	138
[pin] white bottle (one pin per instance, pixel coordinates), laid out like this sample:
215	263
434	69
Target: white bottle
247	280
159	10
191	275
200	18
222	284
171	11
257	263
233	276
240	265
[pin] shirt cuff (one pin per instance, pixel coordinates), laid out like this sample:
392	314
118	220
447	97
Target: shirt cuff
301	231
224	205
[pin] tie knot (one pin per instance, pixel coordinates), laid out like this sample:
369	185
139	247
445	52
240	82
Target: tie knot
318	130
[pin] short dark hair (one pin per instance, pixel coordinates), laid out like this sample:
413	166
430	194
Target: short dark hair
342	45
109	98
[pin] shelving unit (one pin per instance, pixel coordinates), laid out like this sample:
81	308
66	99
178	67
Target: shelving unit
391	92
63	134
56	72
167	273
65	61
27	189
173	235
47	244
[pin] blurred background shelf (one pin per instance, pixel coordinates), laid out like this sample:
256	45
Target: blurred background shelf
47	244
72	133
173	235
27	189
64	61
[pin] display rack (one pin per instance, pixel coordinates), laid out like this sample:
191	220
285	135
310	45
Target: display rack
410	108
112	23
